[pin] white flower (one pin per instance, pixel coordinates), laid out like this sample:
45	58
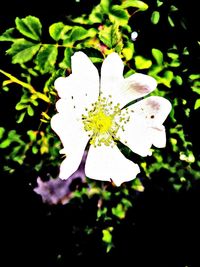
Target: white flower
91	109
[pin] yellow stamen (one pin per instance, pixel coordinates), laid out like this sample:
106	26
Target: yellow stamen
103	121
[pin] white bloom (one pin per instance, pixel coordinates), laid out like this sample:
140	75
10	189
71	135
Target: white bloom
134	36
91	109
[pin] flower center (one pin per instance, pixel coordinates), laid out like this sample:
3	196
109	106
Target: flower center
103	121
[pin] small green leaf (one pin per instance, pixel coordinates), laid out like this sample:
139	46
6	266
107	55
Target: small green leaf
105	36
178	80
78	33
159	3
172	55
169	75
30	111
58	30
116	38
96	15
22	51
107	237
137	4
21	117
110	36
2	130
46	58
128	51
118	15
142	63
194	76
66	63
155	17
34	150
171	21
105	5
29	26
158	55
8	35
20	106
137	185
5	143
119	211
32	135
5	88
197	104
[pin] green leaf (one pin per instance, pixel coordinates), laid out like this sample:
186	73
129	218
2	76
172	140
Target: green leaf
171	21
158	55
128	51
194	76
22	51
116	38
2	130
197	104
166	80
58	30
105	36
30	111
32	135
119	211
105	5
137	4
96	15
118	15
29	26
178	80
169	75
155	17
137	185
5	143
78	33
173	55
66	63
46	58
110	36
20	106
107	237
142	63
21	117
8	35
159	3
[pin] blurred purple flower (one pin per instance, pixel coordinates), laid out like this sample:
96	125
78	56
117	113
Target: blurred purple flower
57	190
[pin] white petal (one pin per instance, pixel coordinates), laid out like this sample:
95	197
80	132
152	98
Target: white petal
123	90
82	86
112	76
159	136
74	140
136	86
152	110
138	138
145	126
105	163
70	164
70	132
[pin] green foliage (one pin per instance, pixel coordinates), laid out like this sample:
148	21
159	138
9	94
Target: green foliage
30	27
39	62
155	17
22	51
46	58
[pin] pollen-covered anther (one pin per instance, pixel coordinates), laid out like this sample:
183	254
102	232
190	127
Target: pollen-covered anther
104	121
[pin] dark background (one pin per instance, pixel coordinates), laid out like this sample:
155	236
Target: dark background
162	228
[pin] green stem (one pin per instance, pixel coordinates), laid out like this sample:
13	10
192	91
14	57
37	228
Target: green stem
26	85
